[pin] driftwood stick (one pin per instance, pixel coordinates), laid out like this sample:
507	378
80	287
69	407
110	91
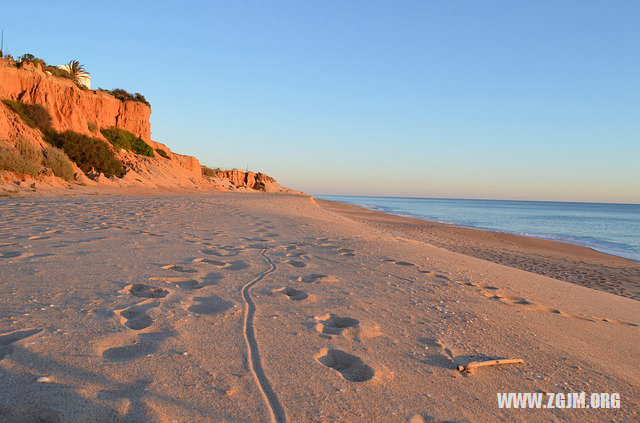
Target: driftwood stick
475	364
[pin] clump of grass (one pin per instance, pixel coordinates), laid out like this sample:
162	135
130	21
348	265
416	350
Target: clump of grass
87	152
33	115
207	171
23	159
162	153
28	151
56	160
92	126
125	139
12	161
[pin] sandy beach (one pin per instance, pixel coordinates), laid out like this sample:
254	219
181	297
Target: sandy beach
258	307
559	260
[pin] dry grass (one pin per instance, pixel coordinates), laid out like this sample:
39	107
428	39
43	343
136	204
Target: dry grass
207	171
22	159
56	160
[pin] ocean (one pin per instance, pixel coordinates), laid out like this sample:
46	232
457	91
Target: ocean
610	228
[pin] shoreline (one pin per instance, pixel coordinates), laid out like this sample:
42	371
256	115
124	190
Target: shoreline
560	260
522	234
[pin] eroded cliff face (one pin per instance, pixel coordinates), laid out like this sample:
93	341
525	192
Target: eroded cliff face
70	107
252	180
86	112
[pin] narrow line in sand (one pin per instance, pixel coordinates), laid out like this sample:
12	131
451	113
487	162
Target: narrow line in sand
253	355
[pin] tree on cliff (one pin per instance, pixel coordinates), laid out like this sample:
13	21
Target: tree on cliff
77	71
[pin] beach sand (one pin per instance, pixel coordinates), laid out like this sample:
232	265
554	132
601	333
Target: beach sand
558	260
257	307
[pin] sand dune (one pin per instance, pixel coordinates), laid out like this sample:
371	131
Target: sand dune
259	307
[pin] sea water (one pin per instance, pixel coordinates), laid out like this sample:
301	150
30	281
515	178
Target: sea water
610	228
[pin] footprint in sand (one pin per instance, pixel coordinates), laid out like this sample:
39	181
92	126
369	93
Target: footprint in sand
144	291
346	252
296	254
292	293
128	352
317	278
440	354
183	283
144	345
135	317
36	237
210	305
350	367
9	254
219	252
296	263
216	263
8	338
331	324
404	263
177	268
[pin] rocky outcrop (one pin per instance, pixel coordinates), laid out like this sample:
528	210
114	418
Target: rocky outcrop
83	111
252	180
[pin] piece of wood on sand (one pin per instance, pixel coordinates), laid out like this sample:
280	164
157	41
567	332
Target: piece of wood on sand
476	364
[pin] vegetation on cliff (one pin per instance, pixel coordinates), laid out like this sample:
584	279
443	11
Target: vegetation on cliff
162	153
124	95
87	152
56	160
33	115
122	139
25	159
207	171
73	70
22	159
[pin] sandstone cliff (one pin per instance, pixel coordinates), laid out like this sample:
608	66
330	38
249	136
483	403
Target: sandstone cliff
72	108
88	111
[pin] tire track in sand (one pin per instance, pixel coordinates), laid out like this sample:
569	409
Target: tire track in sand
253	355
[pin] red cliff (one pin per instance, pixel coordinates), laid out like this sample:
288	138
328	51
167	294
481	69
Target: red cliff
71	108
87	112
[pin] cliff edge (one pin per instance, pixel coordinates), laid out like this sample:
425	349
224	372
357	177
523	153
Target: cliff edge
85	116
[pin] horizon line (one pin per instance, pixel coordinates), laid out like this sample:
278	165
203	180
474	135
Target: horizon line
477	199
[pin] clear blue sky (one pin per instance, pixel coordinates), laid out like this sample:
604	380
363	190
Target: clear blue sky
484	99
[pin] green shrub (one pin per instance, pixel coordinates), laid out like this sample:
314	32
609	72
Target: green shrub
92	126
207	171
125	139
33	115
162	153
86	152
22	159
30	58
58	162
124	95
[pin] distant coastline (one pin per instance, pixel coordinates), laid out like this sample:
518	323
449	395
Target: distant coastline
547	220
